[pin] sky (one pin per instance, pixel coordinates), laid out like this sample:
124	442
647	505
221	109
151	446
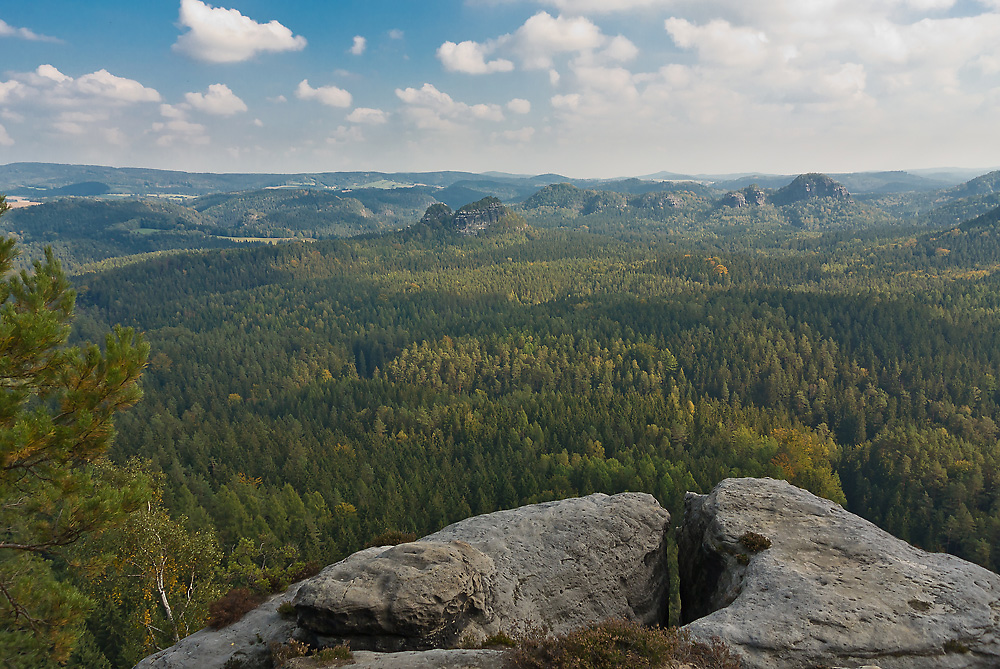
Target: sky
583	88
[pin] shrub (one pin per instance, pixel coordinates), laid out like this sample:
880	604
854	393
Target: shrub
498	639
334	653
286	610
283	652
754	542
391	538
231	607
618	643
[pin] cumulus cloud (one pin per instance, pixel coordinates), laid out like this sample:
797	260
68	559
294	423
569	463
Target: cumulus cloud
48	85
358	47
470	57
219	35
8	89
543	36
328	95
396	33
367	115
5	139
219	100
519	106
7	30
720	42
431	109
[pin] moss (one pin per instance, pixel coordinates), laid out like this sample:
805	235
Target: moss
955	646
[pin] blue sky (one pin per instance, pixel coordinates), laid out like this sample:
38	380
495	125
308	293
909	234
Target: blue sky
579	87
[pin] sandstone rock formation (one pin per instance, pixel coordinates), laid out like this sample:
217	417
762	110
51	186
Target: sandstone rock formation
558	566
476	217
808	187
752	195
831	588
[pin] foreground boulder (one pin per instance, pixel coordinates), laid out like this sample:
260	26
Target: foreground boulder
792	580
557	566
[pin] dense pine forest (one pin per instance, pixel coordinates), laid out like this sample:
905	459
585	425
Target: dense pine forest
304	399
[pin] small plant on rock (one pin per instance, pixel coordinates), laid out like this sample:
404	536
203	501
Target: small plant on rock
391	538
754	542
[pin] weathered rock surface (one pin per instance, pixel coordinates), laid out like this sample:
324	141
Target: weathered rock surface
832	589
558	565
245	642
419	595
427	659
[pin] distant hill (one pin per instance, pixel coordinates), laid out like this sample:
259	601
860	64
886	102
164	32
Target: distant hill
580	201
944	207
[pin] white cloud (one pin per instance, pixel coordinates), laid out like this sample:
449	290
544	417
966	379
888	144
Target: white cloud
543	36
328	95
430	108
219	100
358	47
519	106
49	72
219	35
720	42
103	84
470	58
50	86
257	122
368	116
620	49
5	139
396	33
179	130
9	88
7	30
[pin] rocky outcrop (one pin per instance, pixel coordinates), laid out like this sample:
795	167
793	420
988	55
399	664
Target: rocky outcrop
752	195
809	187
478	216
554	566
244	644
792	580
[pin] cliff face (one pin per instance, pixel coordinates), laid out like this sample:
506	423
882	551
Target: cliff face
784	578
